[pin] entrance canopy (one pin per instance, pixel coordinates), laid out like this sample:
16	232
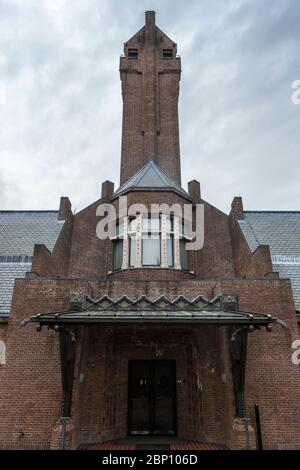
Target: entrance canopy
221	310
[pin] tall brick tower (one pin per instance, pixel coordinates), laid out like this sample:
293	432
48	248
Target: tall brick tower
150	75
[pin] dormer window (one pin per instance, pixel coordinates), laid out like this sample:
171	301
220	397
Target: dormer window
133	53
167	53
150	241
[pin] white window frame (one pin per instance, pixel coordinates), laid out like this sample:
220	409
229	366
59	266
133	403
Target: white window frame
175	232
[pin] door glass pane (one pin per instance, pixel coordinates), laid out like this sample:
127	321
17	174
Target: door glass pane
132	250
140	394
151	250
117	254
164	419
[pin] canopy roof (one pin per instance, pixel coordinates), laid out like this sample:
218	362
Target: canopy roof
221	310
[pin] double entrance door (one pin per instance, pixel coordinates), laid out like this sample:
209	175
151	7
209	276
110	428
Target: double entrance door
152	398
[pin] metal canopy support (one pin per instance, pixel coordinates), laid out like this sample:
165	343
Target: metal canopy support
238	350
67	341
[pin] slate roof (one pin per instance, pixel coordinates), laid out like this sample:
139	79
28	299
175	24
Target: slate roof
19	231
8	273
281	231
148	177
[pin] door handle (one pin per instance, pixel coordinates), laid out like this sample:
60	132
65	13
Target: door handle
142	381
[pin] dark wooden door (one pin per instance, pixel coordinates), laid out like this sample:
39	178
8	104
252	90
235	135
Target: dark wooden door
152	398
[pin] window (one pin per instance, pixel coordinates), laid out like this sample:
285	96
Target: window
132	242
119	228
183	255
170	250
151	241
118	246
132	250
183	231
117	254
151	224
151	250
132	53
167	53
170	241
169	224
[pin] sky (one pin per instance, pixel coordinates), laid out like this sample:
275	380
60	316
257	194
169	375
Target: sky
61	107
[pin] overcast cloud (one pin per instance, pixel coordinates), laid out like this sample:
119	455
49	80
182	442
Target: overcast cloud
61	109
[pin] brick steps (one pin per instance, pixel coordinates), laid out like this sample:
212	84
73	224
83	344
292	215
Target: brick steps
113	445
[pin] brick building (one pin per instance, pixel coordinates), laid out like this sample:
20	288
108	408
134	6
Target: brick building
130	335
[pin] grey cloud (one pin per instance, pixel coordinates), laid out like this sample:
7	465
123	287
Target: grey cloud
61	126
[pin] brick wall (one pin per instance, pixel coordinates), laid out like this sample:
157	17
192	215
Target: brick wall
3	329
33	371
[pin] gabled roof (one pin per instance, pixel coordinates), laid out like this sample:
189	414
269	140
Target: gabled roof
19	232
151	176
281	231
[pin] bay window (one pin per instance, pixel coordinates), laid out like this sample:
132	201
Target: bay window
150	241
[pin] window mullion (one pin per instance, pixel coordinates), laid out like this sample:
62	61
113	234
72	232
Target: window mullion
163	241
177	264
125	244
138	259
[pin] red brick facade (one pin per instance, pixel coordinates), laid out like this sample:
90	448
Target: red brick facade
205	397
30	387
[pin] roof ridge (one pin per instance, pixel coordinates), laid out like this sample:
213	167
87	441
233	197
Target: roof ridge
131	178
158	170
156	166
